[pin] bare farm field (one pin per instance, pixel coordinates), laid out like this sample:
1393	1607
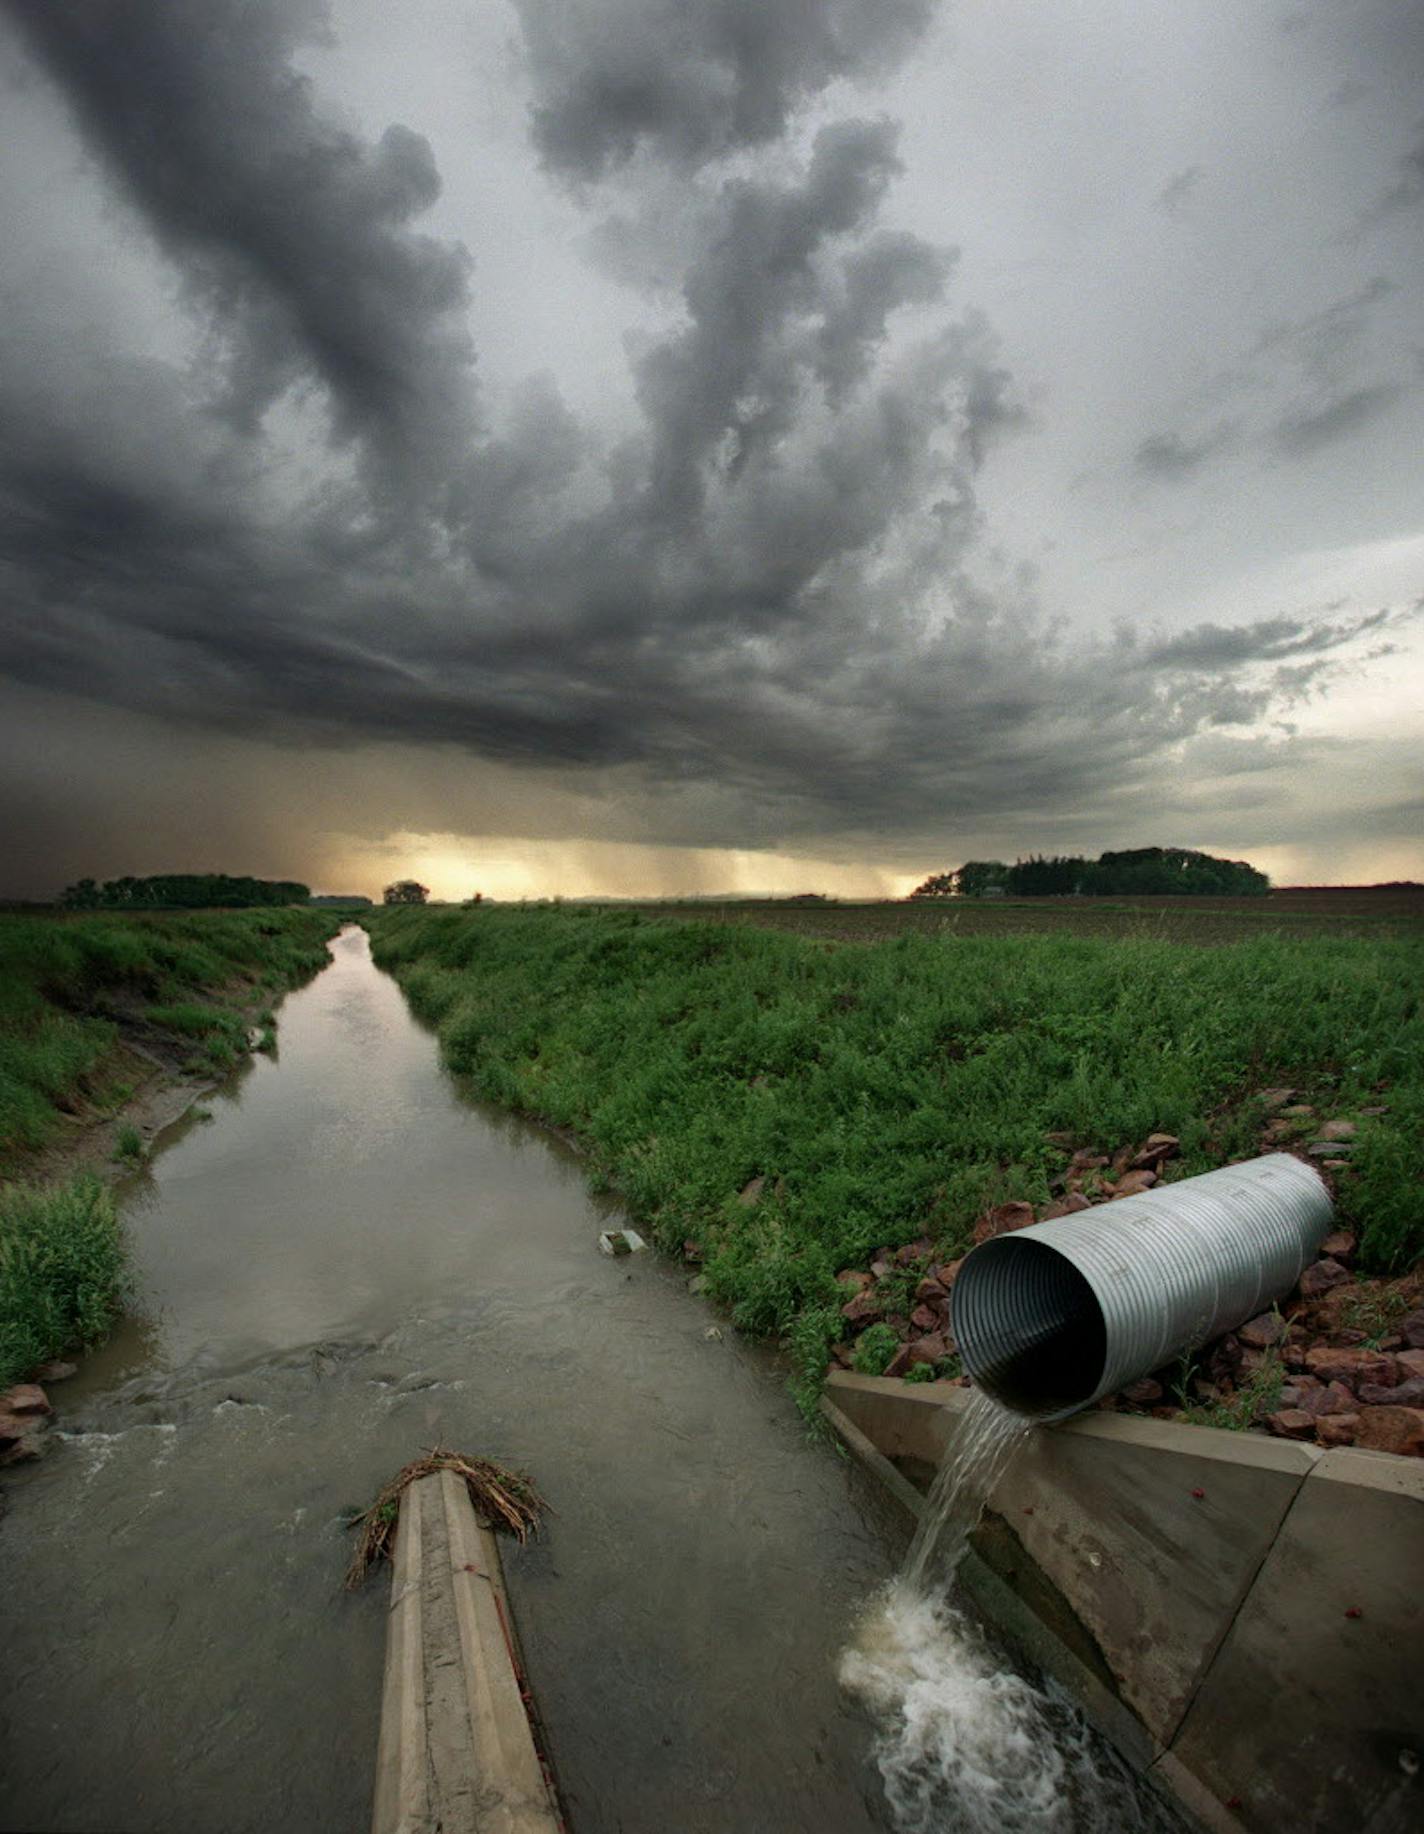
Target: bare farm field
1305	911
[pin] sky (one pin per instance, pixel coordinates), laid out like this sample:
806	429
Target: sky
656	447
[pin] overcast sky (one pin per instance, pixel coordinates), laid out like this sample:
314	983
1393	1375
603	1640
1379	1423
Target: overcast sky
686	445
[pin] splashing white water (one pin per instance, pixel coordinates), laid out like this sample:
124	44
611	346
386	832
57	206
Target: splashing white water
966	1744
969	1747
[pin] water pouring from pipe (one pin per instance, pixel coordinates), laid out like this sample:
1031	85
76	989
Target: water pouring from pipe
1049	1320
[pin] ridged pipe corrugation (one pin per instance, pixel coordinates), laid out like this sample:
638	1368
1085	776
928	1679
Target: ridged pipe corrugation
1053	1317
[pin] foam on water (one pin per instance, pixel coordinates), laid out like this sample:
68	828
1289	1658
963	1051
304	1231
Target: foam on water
966	1744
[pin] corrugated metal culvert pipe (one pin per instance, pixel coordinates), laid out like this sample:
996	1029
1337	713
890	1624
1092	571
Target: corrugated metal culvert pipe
1053	1317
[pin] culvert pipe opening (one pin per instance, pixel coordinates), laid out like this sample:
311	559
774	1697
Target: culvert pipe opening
1029	1327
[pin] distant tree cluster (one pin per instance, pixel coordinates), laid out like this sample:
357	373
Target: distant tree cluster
1138	872
183	890
406	891
342	901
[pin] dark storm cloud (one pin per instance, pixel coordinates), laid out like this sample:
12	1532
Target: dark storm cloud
768	601
692	80
293	233
733	375
1179	188
1321	343
1212	647
1407	191
1172	456
1306	431
1318	352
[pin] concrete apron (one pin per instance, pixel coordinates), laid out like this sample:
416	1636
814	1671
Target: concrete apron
1243	1617
456	1754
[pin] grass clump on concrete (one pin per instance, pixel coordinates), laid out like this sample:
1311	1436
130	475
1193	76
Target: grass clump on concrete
792	1105
63	1271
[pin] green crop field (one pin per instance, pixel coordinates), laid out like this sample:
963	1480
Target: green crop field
890	1090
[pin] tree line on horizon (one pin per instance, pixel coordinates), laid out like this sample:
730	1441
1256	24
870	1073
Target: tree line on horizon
183	891
1136	872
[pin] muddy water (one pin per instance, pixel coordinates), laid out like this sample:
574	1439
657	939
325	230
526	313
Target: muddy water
347	1263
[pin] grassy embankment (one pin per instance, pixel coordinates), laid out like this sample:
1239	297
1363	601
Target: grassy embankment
892	1091
90	1007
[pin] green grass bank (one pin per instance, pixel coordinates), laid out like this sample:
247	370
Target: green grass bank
92	1009
889	1091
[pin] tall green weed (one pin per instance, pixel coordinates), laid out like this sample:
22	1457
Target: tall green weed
63	1271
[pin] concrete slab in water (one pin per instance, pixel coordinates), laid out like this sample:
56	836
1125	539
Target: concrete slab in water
457	1753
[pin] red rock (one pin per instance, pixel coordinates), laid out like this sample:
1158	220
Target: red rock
899	1324
1143	1393
1261	1332
912	1252
948	1272
1086	1160
1410	1363
1337	1429
1059	1207
928	1317
751	1191
880	1267
1339	1130
1299	1111
842	1354
1339	1247
864	1309
931	1289
928	1349
1411	1329
1331	1363
1319	1279
1002	1220
1334	1398
854	1277
1076	1201
1392	1429
1132	1184
1291	1423
26	1398
28	1446
1407	1394
1225	1358
1276	1098
1274	1131
1155	1151
900	1362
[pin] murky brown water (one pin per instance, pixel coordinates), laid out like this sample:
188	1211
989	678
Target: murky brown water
347	1264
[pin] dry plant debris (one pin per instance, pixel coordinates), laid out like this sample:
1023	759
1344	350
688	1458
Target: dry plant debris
503	1499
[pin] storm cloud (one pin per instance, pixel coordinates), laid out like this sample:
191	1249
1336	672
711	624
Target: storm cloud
292	234
694	80
763	603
